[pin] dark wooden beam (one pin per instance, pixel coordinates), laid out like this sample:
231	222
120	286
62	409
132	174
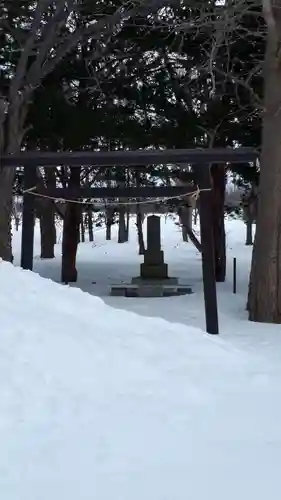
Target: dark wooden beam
28	220
71	193
131	158
207	248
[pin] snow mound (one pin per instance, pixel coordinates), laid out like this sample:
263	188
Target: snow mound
98	403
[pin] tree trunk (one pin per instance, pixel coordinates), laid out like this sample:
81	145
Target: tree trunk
218	177
70	241
249	232
47	229
70	238
122	225
185	216
90	225
196	213
264	301
108	230
127	230
17	221
139	224
6	207
12	120
109	220
184	233
82	226
46	211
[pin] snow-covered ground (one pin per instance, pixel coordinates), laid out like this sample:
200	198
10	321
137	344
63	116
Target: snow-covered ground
103	263
127	399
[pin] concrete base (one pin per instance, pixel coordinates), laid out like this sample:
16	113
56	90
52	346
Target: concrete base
149	290
138	280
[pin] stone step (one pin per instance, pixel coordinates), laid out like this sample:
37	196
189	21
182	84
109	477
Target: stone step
139	281
134	290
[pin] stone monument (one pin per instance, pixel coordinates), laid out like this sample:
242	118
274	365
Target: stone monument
154	267
153	280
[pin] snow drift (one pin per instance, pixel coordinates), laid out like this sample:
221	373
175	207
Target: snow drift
97	403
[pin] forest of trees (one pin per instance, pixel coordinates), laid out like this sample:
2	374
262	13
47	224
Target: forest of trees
117	74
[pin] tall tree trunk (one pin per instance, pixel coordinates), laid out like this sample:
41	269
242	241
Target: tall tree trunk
70	241
139	224
16	216
264	301
249	232
12	120
46	211
82	227
127	223
47	229
6	207
185	216
184	233
219	180
196	213
122	224
10	141
90	225
70	238
109	221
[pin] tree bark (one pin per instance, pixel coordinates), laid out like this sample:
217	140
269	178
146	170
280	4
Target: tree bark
196	213
249	233
184	233
219	179
6	207
139	224
264	300
185	216
122	225
90	225
127	223
70	241
70	238
12	132
185	223
109	221
46	213
47	229
82	227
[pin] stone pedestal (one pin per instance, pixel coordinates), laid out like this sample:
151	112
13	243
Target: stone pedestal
153	280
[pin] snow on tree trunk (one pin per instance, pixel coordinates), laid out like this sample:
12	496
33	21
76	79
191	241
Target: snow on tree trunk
264	301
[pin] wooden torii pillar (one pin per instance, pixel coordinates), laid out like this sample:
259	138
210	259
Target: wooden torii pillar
203	177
